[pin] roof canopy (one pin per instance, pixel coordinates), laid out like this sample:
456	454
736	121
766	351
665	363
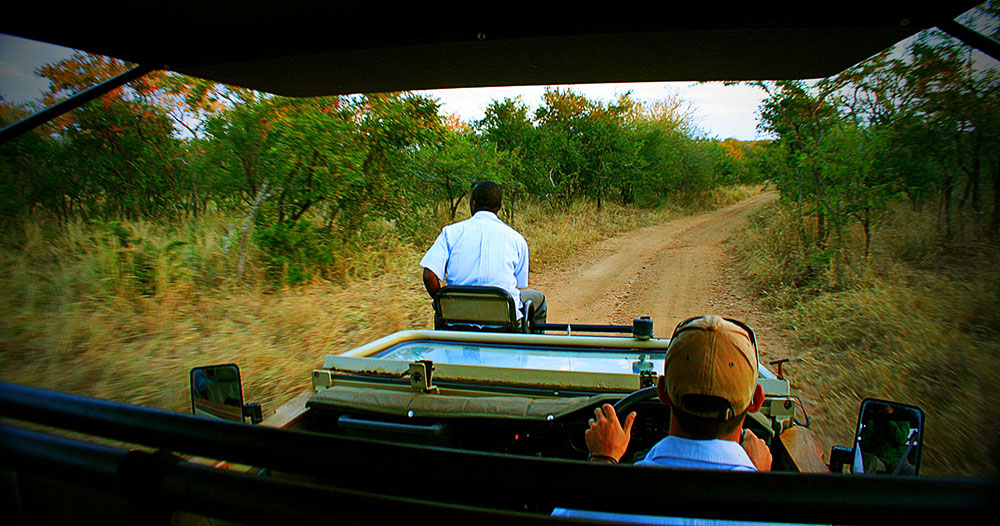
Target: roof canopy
306	48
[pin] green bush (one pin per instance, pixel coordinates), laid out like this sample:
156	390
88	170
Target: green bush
293	251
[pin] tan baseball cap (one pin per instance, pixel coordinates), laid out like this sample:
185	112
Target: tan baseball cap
711	356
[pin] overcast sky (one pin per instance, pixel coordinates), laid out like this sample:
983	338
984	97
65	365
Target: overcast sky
720	111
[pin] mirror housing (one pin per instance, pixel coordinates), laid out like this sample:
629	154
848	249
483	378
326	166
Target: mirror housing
253	412
888	439
217	392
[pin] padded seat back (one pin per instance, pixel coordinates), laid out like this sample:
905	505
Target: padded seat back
463	308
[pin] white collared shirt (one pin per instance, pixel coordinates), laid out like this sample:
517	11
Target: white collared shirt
676	452
480	251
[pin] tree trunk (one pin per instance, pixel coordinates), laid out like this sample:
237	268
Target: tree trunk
946	190
995	222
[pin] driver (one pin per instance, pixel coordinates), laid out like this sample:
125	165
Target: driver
709	383
483	251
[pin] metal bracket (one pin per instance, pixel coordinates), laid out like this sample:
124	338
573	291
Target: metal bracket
422	376
647	378
779	363
321	379
779	407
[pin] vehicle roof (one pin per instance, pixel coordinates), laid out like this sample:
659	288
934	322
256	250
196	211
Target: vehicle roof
311	48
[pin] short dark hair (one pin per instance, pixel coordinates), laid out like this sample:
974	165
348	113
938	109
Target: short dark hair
488	196
707	428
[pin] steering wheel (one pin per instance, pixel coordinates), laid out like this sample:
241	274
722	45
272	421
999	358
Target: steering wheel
623	406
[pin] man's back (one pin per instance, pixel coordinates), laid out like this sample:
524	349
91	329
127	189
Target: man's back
480	251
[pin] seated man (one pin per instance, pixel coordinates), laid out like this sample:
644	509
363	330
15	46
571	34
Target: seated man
709	383
483	251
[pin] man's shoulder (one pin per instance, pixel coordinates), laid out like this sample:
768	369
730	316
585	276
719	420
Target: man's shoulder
503	225
490	220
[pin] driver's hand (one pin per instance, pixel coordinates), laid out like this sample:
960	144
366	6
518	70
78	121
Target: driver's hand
606	436
757	450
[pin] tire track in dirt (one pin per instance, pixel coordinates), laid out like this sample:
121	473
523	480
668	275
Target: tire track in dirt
667	271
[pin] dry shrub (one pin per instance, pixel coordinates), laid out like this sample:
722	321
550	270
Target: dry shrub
919	325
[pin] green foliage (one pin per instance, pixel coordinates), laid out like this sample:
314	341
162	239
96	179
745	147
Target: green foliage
292	251
21	162
573	147
926	125
303	153
301	175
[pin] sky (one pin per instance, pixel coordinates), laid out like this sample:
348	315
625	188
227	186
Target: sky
719	111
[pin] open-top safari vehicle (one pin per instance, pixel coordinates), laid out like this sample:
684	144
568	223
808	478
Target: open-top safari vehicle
482	419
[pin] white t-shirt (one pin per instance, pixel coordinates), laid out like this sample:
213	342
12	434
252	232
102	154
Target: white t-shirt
480	251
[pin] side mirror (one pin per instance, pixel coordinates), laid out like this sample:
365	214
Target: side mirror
888	438
217	392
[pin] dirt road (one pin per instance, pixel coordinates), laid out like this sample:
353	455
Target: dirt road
669	271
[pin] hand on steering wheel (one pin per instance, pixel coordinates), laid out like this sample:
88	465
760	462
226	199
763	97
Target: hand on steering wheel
606	436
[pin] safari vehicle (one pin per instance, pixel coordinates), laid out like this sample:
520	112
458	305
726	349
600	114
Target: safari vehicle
453	426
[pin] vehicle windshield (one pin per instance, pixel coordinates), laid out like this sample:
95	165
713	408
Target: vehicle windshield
528	357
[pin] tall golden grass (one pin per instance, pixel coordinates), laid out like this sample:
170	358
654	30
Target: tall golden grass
919	322
123	310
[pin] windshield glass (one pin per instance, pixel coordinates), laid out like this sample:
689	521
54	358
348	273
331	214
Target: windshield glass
563	359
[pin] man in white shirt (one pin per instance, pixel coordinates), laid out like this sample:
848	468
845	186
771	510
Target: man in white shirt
709	384
483	251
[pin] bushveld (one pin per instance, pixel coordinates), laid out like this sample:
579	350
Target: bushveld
123	310
918	322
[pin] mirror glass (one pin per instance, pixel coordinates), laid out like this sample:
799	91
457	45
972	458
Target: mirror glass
216	392
888	439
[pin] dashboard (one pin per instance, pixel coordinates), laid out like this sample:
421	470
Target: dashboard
561	437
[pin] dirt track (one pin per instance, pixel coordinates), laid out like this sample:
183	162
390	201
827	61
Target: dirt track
669	271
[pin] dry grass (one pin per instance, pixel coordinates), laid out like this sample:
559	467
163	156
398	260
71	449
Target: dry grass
76	320
919	324
123	311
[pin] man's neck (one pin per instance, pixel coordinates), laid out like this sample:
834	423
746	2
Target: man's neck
679	432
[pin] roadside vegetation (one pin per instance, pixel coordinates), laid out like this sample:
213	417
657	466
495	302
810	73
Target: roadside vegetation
177	223
122	310
882	255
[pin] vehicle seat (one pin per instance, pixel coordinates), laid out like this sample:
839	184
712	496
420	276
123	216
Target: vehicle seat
467	308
